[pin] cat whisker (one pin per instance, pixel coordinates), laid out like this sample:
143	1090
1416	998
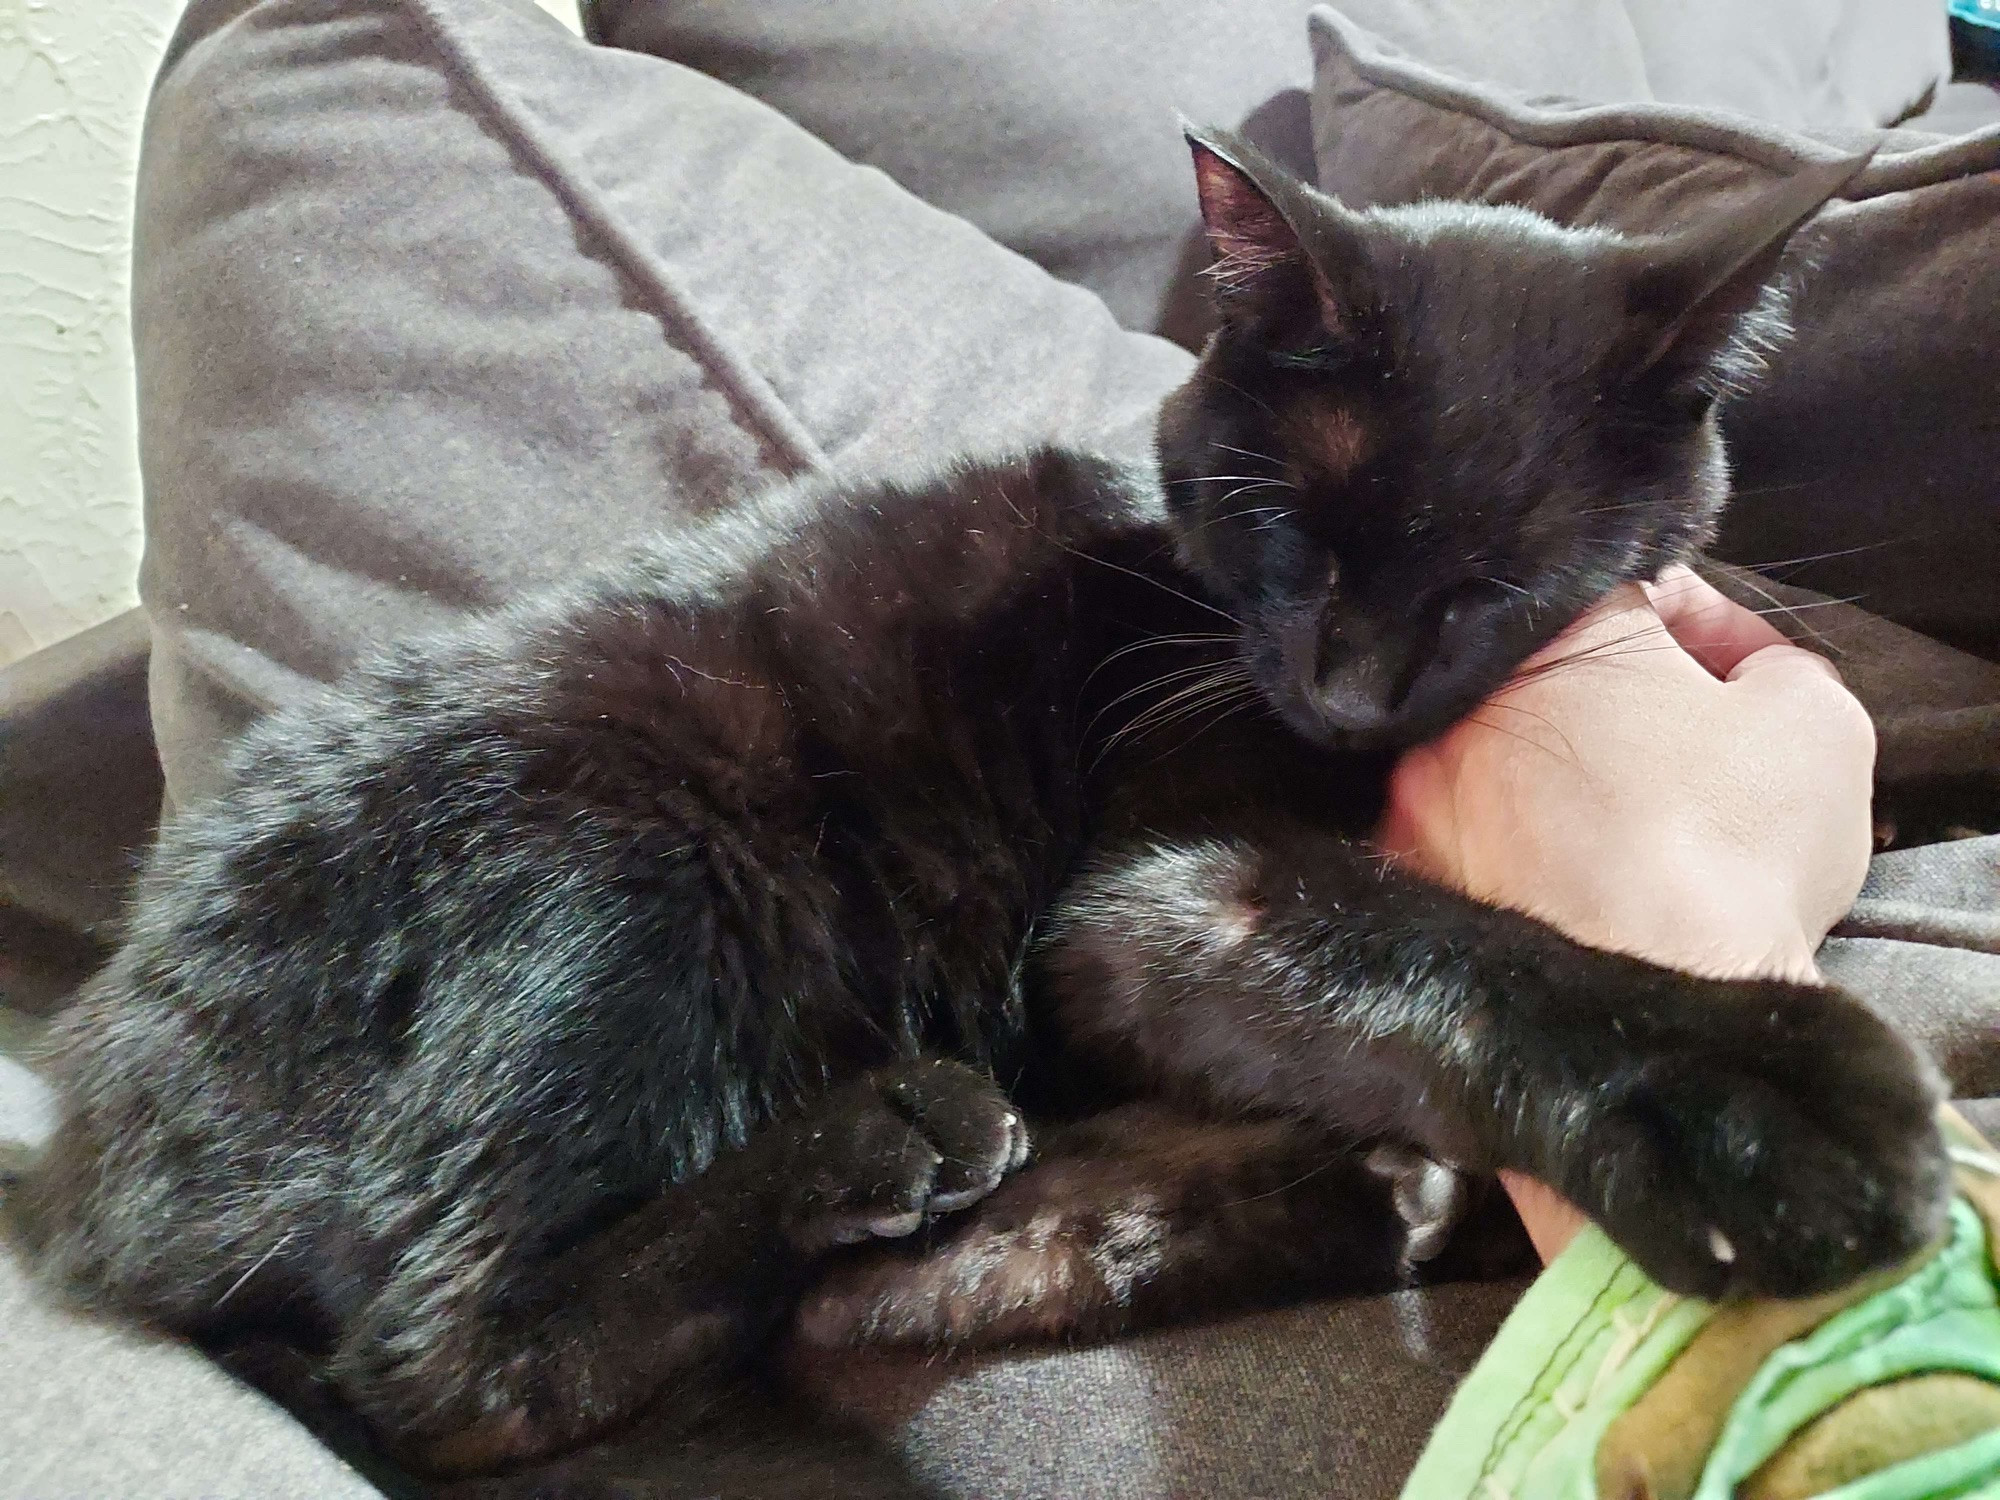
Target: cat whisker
1216	639
1179	674
1220	666
1188	700
1270	479
1233	515
262	1261
1752	492
1598	651
1512	588
1220	682
1813	557
1299	1181
1160	584
1205	714
1224	708
1251	510
1249	453
1793	609
1534	744
1780	607
1230	385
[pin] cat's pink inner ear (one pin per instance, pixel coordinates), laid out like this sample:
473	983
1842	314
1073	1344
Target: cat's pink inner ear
1244	226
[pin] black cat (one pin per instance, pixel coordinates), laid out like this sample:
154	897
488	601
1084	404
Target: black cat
547	1005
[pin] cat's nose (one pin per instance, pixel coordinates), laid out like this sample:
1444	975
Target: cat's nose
1357	694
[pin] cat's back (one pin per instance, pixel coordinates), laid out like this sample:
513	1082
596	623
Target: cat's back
831	731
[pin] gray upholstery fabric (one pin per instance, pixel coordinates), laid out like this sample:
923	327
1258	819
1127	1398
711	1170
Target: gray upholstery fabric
495	300
1960	109
1048	123
1799	63
89	1411
1326	1400
1865	455
75	723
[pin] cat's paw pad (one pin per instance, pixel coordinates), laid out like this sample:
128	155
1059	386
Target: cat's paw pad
892	1149
1781	1155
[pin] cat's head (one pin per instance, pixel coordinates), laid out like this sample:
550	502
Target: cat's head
1424	439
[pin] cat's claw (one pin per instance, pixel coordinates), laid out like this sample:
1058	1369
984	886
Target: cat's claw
895	1148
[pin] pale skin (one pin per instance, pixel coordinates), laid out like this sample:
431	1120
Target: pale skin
1669	778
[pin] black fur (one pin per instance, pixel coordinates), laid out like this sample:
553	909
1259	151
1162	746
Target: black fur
548	1004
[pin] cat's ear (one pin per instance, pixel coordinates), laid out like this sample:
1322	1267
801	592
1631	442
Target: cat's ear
1247	230
1259	218
1694	290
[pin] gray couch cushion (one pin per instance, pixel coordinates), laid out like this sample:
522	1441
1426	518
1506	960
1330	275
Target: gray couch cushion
88	1410
81	785
1805	64
434	301
1868	461
1048	123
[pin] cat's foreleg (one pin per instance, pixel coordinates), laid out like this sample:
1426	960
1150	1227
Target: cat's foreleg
1746	1135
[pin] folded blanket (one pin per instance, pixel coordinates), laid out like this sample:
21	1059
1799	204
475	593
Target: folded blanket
1602	1386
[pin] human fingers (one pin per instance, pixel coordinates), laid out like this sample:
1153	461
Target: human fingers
1711	627
1818	760
1786	661
1622	624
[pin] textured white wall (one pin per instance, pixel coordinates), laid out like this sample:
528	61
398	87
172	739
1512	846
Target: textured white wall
72	75
73	79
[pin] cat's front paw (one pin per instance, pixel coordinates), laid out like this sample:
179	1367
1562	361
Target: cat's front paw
1779	1143
906	1142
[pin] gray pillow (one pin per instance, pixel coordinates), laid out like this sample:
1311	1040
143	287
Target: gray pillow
434	303
1803	63
1049	123
1868	460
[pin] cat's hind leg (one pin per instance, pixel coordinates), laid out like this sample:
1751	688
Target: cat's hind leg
472	1364
1147	1214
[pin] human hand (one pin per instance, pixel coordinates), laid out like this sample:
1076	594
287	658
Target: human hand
1668	778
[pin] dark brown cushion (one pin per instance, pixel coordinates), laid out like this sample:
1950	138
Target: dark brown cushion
79	794
1868	461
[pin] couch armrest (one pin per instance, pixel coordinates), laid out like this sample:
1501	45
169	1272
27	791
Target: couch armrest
80	792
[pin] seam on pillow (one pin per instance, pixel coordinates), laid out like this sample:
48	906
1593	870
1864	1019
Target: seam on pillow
1718	133
757	407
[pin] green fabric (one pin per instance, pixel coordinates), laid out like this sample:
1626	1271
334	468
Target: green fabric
1593	1333
1944	1316
1588	1337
